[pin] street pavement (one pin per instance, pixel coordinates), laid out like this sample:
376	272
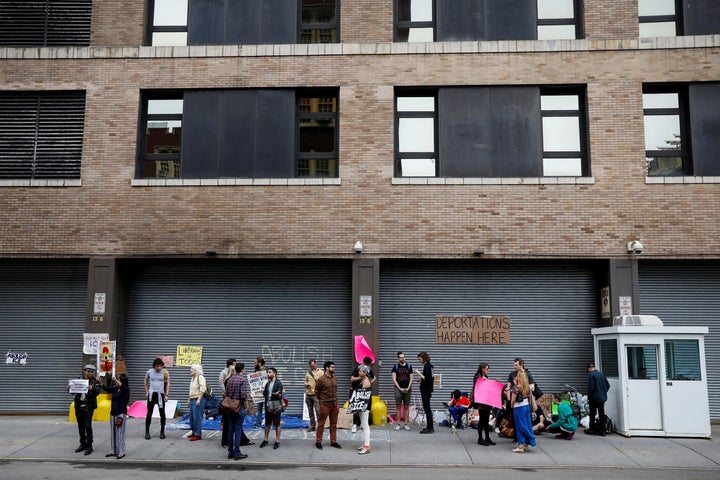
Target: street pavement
54	439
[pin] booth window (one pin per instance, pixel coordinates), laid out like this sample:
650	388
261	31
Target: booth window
682	360
609	358
642	363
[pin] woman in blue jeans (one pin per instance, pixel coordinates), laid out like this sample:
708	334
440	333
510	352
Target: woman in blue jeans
198	387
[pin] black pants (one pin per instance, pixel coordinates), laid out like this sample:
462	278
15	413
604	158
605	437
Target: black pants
154	400
84	420
483	424
426	408
597	408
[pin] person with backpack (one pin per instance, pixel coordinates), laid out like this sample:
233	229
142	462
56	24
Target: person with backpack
402	376
598	387
567	422
157	391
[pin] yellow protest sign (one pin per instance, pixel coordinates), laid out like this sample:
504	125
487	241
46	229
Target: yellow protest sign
188	355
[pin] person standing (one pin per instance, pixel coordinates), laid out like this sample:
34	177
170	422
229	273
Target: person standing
426	389
518	366
520	403
225	373
326	392
259	400
196	401
237	388
118	414
598	387
157	391
366	388
483	409
272	392
402	376
311	400
355	382
85	405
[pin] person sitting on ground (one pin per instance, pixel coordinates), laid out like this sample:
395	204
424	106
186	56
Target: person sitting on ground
539	420
458	406
567	422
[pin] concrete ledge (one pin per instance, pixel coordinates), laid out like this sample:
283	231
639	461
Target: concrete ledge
207	182
493	181
677	180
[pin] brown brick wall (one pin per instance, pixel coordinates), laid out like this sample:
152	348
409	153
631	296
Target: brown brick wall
611	19
118	23
107	216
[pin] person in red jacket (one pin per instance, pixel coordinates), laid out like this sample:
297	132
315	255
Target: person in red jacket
458	407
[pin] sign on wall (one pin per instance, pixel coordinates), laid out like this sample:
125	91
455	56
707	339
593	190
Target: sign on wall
188	355
92	340
472	329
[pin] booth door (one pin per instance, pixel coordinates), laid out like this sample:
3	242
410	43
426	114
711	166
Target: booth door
643	395
685	390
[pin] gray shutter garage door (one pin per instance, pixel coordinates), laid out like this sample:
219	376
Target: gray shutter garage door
552	308
687	295
285	311
42	313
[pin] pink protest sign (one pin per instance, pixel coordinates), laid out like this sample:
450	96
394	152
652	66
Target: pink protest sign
362	349
488	392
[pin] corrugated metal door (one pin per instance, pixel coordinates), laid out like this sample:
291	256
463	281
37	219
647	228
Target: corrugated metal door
552	308
287	312
42	313
687	295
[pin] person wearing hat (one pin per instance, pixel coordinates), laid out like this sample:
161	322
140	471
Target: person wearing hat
85	405
598	387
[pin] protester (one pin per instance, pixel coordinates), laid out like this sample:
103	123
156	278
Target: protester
426	389
259	400
237	388
355	381
326	392
521	413
225	374
598	387
120	391
157	391
85	405
311	400
365	386
566	423
458	407
483	409
196	402
518	366
402	376
273	391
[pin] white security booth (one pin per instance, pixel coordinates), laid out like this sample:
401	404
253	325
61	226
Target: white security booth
658	383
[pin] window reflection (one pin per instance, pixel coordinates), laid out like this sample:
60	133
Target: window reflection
319	21
317	136
682	360
163	138
663	134
642	363
657	18
561	133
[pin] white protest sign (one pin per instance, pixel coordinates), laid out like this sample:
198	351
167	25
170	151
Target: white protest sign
16	358
257	381
91	341
78	385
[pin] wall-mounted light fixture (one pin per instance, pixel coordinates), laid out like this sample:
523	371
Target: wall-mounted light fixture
358	247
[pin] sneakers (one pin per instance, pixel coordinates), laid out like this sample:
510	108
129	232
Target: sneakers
263	444
354	428
276	445
407	427
318	446
195	438
569	436
364	450
397	427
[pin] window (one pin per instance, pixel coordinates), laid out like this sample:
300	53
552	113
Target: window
247	133
668	18
682	360
41	134
642	363
45	23
168	22
317	134
466	20
246	22
609	358
491	132
558	19
163	136
682	129
563	128
318	21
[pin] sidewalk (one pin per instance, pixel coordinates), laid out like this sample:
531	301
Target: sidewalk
46	438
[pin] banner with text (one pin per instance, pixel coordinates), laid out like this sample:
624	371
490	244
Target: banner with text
188	355
472	329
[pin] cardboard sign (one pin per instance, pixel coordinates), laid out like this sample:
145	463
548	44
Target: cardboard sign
257	382
106	358
472	329
78	385
359	400
488	392
92	340
188	355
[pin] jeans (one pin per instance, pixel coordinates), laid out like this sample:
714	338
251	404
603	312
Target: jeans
313	406
235	432
196	415
259	412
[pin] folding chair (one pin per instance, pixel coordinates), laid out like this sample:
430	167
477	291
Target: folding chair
418	417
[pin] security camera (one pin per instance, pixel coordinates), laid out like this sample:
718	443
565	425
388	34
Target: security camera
358	247
635	247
